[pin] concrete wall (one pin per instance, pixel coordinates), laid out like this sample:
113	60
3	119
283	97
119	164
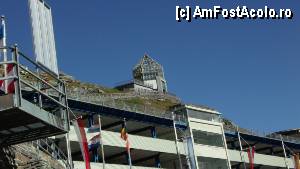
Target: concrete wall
81	165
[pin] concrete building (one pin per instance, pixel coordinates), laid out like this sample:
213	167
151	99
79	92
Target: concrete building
147	75
202	141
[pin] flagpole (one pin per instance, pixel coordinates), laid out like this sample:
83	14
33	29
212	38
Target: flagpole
129	157
128	151
176	140
241	148
4	50
285	156
101	142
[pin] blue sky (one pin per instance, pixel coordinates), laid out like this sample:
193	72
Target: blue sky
246	69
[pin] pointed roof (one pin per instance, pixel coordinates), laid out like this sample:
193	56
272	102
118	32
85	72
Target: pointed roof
146	59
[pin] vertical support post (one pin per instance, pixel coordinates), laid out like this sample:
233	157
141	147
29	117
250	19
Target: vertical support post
17	83
157	161
67	114
284	151
90	120
226	148
153	132
241	149
39	87
4	51
70	161
95	155
127	143
176	140
101	142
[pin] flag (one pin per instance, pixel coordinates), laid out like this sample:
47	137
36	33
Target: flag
10	82
6	86
124	136
251	152
80	132
95	142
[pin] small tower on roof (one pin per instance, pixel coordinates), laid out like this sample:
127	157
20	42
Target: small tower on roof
150	73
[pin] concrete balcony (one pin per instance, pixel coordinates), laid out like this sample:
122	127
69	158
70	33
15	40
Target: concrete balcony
148	145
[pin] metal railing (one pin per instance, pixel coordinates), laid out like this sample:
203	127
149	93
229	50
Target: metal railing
49	147
119	104
33	77
267	135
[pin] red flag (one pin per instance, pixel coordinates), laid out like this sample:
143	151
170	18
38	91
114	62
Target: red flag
251	152
80	132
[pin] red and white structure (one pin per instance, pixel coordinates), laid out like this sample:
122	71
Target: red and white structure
6	86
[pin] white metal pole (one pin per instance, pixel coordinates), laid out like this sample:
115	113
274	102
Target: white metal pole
128	152
70	161
129	156
176	141
4	50
285	156
101	142
241	149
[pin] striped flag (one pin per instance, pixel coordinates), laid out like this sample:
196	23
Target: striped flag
8	85
95	142
11	82
80	132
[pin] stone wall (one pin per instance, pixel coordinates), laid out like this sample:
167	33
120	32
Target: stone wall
26	156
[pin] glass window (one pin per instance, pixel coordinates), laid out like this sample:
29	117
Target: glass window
203	115
207	138
212	163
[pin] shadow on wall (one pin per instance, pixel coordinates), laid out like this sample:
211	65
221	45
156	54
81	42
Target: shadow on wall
7	158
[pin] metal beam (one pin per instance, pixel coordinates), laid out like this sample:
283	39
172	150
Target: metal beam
145	159
116	155
140	130
112	125
263	149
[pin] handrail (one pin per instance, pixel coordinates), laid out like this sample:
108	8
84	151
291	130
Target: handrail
23	68
42	93
56	153
39	66
271	136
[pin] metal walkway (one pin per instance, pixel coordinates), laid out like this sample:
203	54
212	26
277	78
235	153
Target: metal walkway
24	118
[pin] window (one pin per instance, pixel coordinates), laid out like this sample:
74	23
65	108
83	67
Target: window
203	115
207	138
212	163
